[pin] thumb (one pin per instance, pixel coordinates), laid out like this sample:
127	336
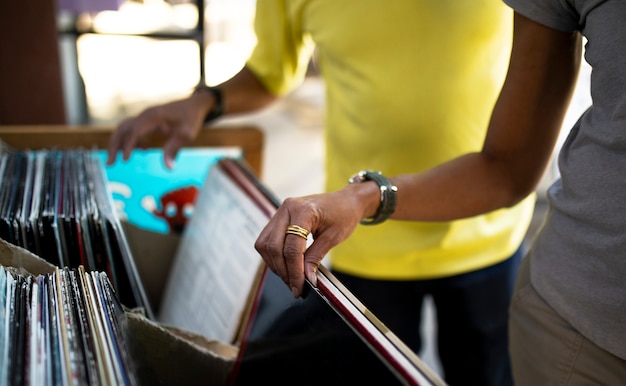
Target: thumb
313	257
310	272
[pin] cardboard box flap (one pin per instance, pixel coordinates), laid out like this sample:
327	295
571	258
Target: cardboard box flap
22	260
167	356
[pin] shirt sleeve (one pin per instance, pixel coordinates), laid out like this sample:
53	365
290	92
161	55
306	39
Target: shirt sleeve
558	14
281	56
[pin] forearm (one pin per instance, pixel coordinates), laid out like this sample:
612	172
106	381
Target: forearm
466	186
523	129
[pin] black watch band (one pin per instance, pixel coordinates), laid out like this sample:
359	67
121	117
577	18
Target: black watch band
388	195
218	107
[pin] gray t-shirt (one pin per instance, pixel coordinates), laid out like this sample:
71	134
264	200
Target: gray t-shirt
579	259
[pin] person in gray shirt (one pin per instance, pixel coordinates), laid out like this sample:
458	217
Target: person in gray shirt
567	323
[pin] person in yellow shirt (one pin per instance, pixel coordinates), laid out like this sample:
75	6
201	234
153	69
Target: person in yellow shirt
568	310
410	84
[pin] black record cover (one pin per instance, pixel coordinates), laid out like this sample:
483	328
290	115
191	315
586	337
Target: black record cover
67	215
11	324
15	212
121	266
18	329
73	339
46	353
99	250
83	212
32	208
84	329
124	286
28	319
116	349
58	207
57	358
27	236
9	187
4	193
15	187
45	221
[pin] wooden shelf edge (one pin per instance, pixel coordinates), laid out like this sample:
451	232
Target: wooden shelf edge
249	138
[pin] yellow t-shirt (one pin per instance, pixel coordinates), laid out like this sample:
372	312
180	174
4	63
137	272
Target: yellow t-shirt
410	84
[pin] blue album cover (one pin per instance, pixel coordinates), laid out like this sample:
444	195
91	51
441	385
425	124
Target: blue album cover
150	196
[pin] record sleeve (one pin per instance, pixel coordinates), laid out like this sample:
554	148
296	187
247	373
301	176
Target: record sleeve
27	237
17	196
3	315
108	372
34	368
9	327
122	268
84	329
57	358
99	351
18	328
34	212
8	196
46	221
73	344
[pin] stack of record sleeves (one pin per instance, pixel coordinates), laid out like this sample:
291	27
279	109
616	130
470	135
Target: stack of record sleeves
57	204
63	328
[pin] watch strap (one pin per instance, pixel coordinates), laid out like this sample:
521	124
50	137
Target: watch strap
388	195
218	107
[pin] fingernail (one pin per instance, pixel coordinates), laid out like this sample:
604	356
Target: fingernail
294	290
313	279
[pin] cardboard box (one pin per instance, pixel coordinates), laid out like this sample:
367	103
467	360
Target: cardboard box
163	355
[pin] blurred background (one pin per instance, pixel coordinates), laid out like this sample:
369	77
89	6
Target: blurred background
145	52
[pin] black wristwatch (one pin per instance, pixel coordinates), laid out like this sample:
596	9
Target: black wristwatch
218	108
388	195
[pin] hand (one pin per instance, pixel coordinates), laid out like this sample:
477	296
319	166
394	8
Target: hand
180	121
331	218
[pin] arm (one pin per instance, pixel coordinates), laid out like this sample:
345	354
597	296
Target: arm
181	120
522	132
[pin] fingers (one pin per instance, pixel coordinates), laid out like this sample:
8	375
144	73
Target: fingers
283	243
170	149
116	140
293	261
128	135
283	253
330	218
134	132
178	120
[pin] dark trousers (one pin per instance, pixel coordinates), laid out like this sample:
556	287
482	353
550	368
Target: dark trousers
472	315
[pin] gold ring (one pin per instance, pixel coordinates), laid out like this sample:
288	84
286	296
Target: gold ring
298	231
